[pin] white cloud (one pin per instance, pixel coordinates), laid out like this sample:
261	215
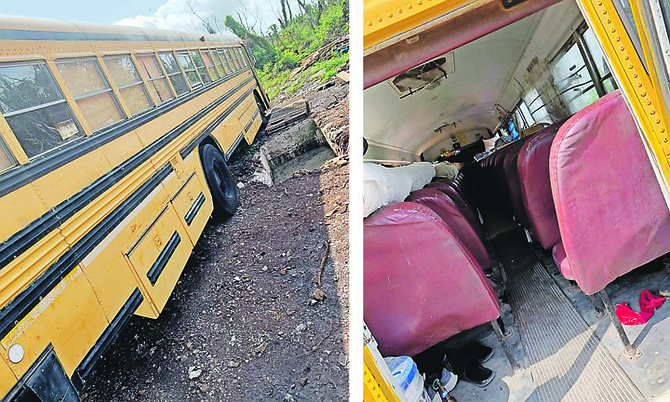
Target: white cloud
175	14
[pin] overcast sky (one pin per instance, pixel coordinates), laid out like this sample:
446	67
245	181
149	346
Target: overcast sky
164	14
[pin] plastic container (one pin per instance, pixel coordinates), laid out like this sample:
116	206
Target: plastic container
408	377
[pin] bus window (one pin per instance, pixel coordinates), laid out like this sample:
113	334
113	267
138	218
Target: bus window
599	60
573	80
6	159
536	107
98	228
153	75
200	65
233	58
217	62
174	73
128	81
189	69
91	92
243	59
226	64
209	64
35	109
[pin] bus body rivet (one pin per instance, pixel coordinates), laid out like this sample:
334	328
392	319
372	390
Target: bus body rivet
369	23
658	121
379	19
389	14
409	6
600	3
652	112
617	39
15	353
643	94
613	30
609	21
419	2
604	12
399	11
630	66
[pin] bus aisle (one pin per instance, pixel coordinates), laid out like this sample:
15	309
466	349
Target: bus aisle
241	323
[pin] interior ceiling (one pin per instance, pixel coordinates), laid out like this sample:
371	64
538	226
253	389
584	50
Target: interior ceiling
468	96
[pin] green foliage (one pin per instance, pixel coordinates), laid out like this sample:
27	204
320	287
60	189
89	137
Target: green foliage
283	48
237	28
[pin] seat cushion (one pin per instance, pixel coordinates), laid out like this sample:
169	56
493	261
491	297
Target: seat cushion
561	261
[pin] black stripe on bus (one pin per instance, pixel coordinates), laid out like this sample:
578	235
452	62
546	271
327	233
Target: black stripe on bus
246	128
253	117
20	34
193	211
31	234
107	337
211	126
42	165
25	301
161	262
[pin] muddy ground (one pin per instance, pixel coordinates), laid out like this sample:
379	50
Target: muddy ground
245	321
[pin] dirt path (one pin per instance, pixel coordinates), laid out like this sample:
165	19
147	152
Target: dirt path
243	322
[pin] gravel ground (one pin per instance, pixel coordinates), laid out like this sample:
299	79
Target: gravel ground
261	309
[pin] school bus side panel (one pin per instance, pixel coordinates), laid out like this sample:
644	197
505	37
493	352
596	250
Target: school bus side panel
69	317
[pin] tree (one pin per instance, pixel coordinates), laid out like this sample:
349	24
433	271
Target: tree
237	28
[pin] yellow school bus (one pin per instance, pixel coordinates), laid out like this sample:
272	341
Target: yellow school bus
485	84
113	150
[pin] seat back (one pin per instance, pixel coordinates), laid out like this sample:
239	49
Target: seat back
535	187
453	216
420	284
611	213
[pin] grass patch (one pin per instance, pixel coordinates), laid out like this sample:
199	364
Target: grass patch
279	82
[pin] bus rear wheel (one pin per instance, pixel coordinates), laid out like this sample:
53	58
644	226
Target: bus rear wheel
221	182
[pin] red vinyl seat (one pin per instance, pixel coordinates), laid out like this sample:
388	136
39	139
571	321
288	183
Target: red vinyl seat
535	187
421	284
453	216
610	210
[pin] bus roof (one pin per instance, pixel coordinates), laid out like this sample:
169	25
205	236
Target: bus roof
399	35
23	28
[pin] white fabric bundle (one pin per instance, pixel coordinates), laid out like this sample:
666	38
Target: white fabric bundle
383	186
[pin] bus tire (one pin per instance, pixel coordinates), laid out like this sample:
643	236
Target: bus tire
222	184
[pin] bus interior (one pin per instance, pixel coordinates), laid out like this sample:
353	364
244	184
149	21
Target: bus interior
555	200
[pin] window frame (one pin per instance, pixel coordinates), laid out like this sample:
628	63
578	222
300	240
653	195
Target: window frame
169	75
106	81
16	153
185	52
125	86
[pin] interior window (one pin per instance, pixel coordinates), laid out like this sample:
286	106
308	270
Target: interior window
128	82
189	69
91	92
35	110
153	75
536	106
573	81
599	60
173	72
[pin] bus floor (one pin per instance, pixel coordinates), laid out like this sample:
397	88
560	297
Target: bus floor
560	347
